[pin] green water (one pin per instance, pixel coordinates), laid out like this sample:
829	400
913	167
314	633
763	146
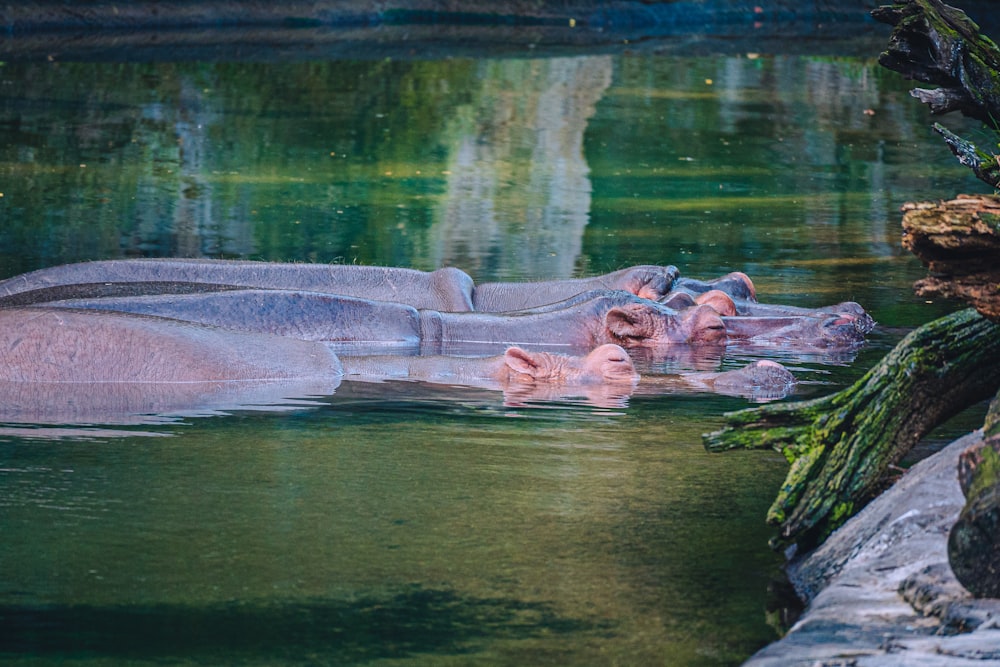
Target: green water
407	525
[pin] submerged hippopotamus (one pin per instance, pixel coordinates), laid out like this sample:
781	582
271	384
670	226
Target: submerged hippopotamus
724	304
66	365
74	366
447	290
55	345
584	322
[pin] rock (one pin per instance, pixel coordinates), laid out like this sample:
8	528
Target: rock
880	592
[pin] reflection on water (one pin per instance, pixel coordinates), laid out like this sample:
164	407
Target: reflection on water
402	625
433	525
551	537
517	191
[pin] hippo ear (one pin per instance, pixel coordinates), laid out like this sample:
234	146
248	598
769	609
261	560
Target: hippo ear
627	322
522	361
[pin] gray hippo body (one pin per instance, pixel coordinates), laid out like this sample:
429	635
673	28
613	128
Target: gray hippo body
446	289
583	322
64	366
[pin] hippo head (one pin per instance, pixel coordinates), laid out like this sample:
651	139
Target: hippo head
805	332
853	312
645	323
605	364
760	381
736	284
721	302
758	374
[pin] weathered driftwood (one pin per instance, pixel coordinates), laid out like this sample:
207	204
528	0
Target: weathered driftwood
974	541
841	446
959	241
938	44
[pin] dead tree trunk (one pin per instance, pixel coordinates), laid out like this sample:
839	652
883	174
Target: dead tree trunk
841	446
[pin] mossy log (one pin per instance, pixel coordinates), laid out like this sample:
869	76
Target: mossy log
959	241
841	446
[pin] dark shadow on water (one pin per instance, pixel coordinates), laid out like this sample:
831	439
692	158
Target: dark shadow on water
416	621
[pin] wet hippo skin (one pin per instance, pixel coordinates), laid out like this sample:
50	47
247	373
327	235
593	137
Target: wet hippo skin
66	365
447	289
585	321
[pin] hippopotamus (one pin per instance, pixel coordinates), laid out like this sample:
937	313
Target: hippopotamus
73	366
726	305
448	289
758	380
67	365
57	345
583	322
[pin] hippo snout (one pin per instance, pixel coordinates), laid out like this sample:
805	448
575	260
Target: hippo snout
845	330
704	325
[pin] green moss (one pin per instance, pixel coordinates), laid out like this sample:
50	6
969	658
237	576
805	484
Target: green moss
987	473
992	425
992	220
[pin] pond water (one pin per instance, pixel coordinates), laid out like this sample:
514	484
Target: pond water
407	525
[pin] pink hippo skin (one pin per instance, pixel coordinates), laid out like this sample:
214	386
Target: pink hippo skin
447	289
72	366
584	322
605	377
605	364
65	366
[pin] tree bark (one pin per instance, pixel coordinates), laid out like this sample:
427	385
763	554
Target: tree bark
959	241
841	446
938	44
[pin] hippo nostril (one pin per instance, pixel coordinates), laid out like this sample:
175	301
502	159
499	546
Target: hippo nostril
843	330
864	323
